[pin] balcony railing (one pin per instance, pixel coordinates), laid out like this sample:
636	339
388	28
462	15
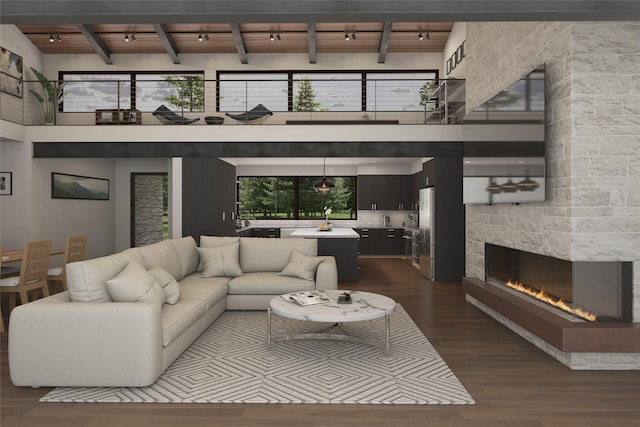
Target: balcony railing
390	101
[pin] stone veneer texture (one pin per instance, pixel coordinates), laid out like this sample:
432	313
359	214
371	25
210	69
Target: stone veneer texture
592	211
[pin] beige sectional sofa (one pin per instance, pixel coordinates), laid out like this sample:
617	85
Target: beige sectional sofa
124	319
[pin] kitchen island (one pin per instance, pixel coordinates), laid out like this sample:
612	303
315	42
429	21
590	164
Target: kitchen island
341	243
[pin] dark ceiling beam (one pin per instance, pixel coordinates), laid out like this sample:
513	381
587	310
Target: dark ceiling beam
97	43
384	42
167	42
216	11
311	42
127	149
237	39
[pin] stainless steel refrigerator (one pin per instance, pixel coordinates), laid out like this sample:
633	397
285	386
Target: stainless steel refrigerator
427	240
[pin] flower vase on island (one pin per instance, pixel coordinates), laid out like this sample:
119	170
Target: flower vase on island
327	224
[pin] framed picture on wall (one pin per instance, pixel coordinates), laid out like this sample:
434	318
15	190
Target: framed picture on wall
10	72
64	186
6	183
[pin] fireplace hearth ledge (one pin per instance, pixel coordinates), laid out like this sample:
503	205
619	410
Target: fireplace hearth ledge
578	345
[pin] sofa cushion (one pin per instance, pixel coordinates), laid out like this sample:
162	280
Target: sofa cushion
162	254
135	284
214	242
169	285
133	254
211	290
268	283
301	266
264	254
86	280
187	254
221	261
179	317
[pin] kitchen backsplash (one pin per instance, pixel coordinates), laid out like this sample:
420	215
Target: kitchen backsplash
365	219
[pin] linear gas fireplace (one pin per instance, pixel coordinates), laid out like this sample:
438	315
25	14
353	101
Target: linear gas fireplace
591	291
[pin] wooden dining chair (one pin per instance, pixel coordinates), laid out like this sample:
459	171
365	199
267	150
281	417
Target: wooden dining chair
33	273
75	250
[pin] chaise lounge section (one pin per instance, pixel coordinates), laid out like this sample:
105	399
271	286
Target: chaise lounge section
126	317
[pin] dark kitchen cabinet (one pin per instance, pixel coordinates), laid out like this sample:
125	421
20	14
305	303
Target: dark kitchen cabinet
384	192
418	181
270	232
380	241
208	197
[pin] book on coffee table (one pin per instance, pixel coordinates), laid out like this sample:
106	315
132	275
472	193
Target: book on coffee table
305	298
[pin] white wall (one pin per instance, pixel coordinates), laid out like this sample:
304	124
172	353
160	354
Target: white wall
230	62
56	219
456	38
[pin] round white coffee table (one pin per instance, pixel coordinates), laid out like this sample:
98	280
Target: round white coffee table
364	306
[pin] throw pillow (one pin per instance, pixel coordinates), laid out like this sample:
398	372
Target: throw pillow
221	261
301	266
169	284
135	284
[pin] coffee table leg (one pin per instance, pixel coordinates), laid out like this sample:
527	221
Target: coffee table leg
387	333
269	327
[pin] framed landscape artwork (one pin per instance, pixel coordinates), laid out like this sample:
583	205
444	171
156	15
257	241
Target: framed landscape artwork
10	72
64	186
6	183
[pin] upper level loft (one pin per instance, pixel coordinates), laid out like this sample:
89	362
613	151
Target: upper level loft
286	98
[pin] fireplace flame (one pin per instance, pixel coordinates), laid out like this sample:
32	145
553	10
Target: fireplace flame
558	303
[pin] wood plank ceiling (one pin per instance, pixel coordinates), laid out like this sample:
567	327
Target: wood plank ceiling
243	39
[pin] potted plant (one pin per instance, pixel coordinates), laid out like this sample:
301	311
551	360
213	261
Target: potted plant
50	98
425	96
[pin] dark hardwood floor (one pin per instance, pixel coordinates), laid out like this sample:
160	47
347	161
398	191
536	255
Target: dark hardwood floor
512	382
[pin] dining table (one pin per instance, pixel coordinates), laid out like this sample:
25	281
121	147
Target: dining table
15	256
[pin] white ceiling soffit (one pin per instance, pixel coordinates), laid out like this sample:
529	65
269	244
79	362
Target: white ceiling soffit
314	161
129	11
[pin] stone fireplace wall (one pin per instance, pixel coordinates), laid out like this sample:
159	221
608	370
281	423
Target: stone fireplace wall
592	212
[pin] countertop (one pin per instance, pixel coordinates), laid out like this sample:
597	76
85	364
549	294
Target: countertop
335	233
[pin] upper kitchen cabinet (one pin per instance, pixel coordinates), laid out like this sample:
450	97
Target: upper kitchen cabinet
384	192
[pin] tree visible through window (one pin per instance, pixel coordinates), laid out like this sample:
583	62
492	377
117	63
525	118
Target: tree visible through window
294	198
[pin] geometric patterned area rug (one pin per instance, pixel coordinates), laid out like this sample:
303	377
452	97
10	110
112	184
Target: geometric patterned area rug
230	363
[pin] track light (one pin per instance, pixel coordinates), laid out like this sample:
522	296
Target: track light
51	39
278	36
58	39
200	38
128	38
271	37
427	36
420	36
346	36
54	38
353	35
